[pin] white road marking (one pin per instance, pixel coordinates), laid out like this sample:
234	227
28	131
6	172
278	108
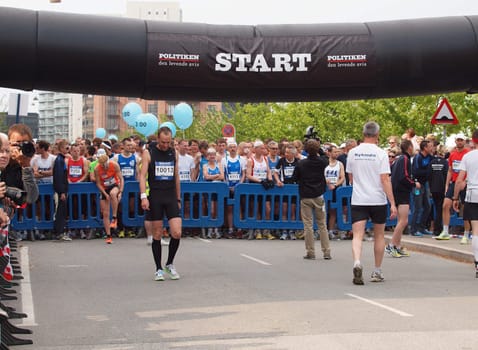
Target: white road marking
98	318
205	240
256	260
391	309
26	290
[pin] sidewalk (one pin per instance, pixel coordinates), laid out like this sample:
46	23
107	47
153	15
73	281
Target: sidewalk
451	249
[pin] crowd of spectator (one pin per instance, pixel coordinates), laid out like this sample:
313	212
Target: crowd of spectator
259	161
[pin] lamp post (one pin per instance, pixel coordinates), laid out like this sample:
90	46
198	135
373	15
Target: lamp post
17	115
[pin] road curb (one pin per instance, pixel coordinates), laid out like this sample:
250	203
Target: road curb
440	250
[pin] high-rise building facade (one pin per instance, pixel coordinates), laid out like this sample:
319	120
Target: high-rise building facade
60	116
68	116
105	111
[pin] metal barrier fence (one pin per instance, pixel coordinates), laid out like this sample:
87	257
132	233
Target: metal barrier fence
250	205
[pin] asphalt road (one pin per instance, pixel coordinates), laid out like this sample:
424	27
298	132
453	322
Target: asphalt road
241	295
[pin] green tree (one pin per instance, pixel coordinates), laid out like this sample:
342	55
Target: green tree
336	121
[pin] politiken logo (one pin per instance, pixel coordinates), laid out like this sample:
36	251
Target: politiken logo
346	61
178	60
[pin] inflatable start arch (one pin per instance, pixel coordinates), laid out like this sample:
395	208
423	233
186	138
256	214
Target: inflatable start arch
159	60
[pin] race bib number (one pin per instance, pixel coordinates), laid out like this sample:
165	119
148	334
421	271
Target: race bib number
332	179
261	175
76	171
184	176
164	170
455	165
110	182
127	172
288	171
234	177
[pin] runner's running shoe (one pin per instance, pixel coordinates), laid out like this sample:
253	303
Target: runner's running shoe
159	275
388	248
377	276
443	236
171	271
358	278
402	251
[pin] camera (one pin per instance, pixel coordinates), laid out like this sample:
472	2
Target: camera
27	148
310	133
18	196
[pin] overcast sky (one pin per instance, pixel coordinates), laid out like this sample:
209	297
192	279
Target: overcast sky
275	11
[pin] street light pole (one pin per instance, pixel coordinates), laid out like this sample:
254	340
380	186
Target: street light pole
17	116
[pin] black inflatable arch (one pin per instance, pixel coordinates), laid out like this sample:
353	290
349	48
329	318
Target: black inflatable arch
158	60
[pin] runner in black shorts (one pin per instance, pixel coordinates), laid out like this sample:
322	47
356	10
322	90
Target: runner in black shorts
376	213
160	168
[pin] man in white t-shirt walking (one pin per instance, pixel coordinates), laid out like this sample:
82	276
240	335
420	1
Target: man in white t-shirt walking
468	176
369	173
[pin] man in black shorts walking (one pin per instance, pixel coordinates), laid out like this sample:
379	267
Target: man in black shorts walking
160	164
369	174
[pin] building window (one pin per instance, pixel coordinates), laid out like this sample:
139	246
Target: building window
170	109
153	108
211	108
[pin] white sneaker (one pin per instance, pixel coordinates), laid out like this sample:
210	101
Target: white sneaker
209	233
65	238
149	240
171	271
164	241
159	275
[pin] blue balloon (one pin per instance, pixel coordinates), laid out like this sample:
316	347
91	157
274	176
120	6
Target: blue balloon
130	112
170	126
146	124
100	132
183	115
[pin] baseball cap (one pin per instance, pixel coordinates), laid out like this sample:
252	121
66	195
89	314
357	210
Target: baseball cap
100	152
460	136
258	143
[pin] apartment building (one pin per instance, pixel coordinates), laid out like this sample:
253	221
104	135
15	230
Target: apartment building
60	116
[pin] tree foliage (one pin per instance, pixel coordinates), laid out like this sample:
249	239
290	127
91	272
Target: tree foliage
335	121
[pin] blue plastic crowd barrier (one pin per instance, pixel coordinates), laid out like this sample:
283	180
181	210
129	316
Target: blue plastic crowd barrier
196	204
83	209
250	203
